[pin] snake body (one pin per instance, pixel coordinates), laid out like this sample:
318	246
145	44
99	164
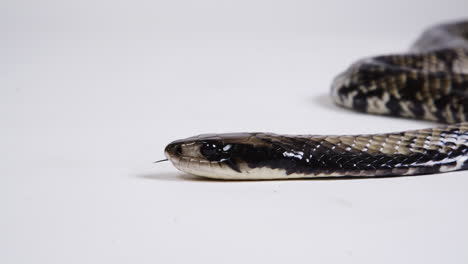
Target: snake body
430	82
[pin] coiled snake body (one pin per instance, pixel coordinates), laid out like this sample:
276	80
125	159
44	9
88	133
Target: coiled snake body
430	82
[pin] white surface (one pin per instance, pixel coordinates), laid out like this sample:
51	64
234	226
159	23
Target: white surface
91	91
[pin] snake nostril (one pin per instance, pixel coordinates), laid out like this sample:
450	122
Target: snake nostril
174	149
178	150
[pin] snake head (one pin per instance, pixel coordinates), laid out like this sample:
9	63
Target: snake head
213	156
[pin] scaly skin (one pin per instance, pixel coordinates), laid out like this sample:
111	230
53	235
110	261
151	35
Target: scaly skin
430	83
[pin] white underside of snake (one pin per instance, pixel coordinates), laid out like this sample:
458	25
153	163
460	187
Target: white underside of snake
430	82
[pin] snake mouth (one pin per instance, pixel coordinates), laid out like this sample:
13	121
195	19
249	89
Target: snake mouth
205	168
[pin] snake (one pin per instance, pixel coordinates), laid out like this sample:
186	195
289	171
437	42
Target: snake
429	82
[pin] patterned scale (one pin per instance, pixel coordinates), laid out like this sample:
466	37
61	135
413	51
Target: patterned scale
410	152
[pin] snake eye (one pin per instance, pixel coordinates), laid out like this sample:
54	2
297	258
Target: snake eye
215	150
209	149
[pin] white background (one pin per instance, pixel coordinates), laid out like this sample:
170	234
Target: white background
92	91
